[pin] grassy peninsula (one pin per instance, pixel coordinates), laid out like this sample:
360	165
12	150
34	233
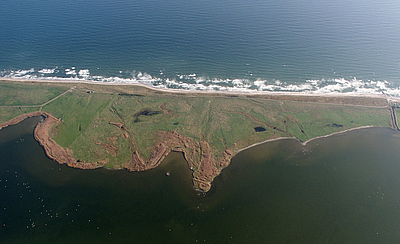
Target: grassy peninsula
135	127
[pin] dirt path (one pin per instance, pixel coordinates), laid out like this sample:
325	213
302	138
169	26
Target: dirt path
62	94
41	105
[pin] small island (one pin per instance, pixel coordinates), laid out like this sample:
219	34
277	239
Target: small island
88	125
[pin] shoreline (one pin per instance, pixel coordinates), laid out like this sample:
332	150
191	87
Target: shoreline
336	133
20	118
173	142
169	141
51	148
55	151
306	142
207	92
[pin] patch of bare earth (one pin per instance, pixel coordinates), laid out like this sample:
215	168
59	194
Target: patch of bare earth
198	155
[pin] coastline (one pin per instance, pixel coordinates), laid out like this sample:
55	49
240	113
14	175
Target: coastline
336	133
20	118
64	156
172	141
205	92
198	154
306	142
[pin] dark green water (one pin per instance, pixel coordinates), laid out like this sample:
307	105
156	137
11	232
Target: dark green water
341	189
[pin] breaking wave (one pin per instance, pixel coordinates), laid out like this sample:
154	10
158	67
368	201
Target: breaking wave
195	82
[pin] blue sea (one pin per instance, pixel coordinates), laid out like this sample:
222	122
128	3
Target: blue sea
236	45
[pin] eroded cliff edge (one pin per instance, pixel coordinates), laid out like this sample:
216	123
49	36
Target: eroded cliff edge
197	154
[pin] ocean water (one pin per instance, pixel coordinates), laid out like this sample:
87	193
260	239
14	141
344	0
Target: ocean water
236	45
340	189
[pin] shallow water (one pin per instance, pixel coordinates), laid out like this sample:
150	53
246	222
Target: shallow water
341	189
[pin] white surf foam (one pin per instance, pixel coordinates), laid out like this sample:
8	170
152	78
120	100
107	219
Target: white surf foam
70	72
47	71
194	82
84	73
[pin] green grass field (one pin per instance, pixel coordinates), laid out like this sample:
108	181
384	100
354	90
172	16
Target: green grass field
90	114
17	94
77	110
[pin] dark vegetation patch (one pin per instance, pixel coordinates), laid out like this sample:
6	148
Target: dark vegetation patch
131	95
259	129
145	112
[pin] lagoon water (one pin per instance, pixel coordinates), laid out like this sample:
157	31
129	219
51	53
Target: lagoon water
313	46
340	189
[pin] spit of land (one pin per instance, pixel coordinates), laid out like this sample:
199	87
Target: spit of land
134	127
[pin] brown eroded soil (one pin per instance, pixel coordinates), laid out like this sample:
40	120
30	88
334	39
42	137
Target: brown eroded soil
197	154
55	151
19	118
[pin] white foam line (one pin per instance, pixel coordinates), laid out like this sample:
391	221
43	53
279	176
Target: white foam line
306	142
193	82
47	71
335	133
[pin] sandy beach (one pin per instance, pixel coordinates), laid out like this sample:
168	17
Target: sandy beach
171	90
